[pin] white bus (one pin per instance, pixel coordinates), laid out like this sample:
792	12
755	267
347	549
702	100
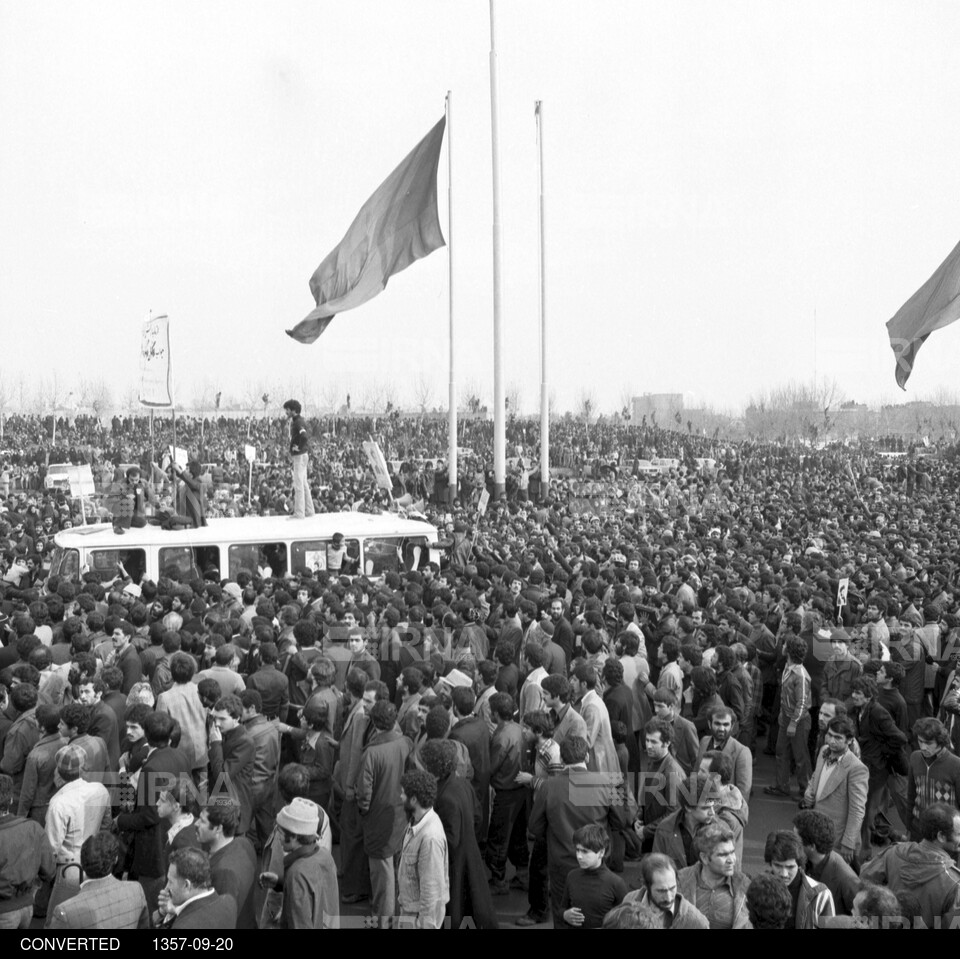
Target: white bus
376	544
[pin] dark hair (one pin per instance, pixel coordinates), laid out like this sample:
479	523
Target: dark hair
48	717
76	717
137	713
877	901
439	756
782	845
317	716
796	649
661	726
815	829
769	902
224	811
294	407
932	731
670	649
24	697
540	722
192	865
463	700
250	697
293	782
573	750
935	819
720	763
557	686
865	685
383	715
420	785
533	654
209	690
230	705
158	728
593	837
98	854
502	706
844	726
182	668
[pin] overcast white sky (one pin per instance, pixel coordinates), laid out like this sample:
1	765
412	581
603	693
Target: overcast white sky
718	174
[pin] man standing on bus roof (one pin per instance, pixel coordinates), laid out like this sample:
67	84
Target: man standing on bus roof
299	453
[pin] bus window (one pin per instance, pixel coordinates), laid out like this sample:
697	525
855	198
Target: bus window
104	563
416	552
313	555
261	559
65	563
382	556
188	562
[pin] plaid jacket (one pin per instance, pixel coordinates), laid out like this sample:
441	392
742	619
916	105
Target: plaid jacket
104	903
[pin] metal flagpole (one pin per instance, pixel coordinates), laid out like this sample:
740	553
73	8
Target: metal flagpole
499	418
544	399
452	478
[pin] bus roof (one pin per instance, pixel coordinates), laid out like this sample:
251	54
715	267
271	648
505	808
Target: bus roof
263	529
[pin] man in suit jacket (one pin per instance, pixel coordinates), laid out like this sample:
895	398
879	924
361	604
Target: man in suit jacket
103	902
562	630
685	740
556	698
567	801
381	809
474	733
161	770
103	720
189	900
603	753
839	787
232	756
125	656
720	739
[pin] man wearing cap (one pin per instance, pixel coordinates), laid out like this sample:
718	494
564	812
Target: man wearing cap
77	811
311	895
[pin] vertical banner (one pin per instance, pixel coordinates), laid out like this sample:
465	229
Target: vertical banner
155	371
379	465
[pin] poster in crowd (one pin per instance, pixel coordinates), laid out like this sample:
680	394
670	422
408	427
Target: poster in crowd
155	373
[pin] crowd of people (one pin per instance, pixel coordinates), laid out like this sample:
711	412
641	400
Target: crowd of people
584	681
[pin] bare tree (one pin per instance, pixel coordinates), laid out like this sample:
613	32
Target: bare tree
587	408
469	398
423	392
626	403
389	395
95	393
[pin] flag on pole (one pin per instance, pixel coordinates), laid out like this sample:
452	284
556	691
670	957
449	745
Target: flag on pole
397	225
935	305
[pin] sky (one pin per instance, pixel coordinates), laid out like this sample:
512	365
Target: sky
737	194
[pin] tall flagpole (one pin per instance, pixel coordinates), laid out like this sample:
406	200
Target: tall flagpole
499	418
452	400
544	399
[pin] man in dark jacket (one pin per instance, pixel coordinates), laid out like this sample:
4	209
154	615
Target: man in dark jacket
189	900
562	630
564	803
103	720
925	870
161	770
232	756
381	808
473	732
881	743
272	685
25	858
233	862
22	736
509	803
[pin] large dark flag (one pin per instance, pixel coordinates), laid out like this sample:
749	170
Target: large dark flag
397	225
935	305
